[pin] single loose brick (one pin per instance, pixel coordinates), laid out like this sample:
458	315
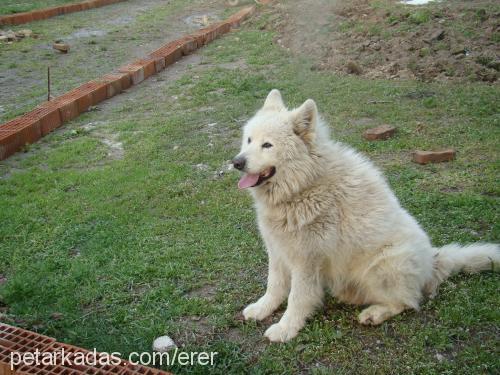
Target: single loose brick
425	157
379	133
61	47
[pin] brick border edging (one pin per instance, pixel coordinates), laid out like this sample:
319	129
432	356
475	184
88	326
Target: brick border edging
33	125
18	340
41	14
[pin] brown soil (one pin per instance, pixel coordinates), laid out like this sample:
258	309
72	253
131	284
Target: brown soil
448	40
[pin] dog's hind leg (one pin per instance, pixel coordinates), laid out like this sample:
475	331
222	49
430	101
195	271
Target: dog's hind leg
278	287
393	281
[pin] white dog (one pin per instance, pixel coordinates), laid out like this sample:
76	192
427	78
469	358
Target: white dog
330	221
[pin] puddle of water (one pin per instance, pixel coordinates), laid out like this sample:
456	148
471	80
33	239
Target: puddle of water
417	2
125	20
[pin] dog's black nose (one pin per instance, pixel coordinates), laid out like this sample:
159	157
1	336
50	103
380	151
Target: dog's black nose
239	162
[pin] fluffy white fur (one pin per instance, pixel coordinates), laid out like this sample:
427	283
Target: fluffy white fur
330	222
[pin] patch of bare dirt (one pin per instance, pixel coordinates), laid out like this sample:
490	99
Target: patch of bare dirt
206	291
449	40
193	329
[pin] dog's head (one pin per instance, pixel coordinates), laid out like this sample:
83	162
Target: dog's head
275	140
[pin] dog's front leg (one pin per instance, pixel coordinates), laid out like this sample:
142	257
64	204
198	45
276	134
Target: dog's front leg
306	293
278	286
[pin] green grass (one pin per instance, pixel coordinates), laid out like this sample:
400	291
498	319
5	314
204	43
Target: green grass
16	6
130	249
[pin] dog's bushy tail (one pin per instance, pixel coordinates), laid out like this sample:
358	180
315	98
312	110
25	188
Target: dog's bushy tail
454	258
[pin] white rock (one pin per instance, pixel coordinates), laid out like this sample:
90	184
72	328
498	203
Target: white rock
163	344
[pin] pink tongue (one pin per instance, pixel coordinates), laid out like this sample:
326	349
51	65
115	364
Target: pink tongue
248	180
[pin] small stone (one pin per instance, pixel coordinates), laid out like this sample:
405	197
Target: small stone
25	33
458	50
62	47
439	357
425	157
4	38
163	344
11	36
381	132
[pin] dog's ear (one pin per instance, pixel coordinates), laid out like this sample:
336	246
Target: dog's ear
274	101
304	120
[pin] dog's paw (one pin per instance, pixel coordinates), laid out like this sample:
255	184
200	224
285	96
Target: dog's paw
255	311
280	333
375	315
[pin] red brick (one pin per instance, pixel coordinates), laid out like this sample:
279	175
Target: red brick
149	66
207	34
425	157
62	47
381	132
9	144
85	5
99	91
236	19
21	340
95	362
125	80
5	359
68	107
136	72
48	115
223	28
171	52
15	134
114	84
159	63
71	8
23	18
187	44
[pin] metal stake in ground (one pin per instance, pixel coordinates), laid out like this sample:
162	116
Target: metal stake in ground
48	83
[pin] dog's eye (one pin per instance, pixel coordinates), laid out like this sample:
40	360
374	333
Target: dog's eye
267	145
249	140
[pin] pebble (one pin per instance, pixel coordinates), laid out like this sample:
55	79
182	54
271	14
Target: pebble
163	344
